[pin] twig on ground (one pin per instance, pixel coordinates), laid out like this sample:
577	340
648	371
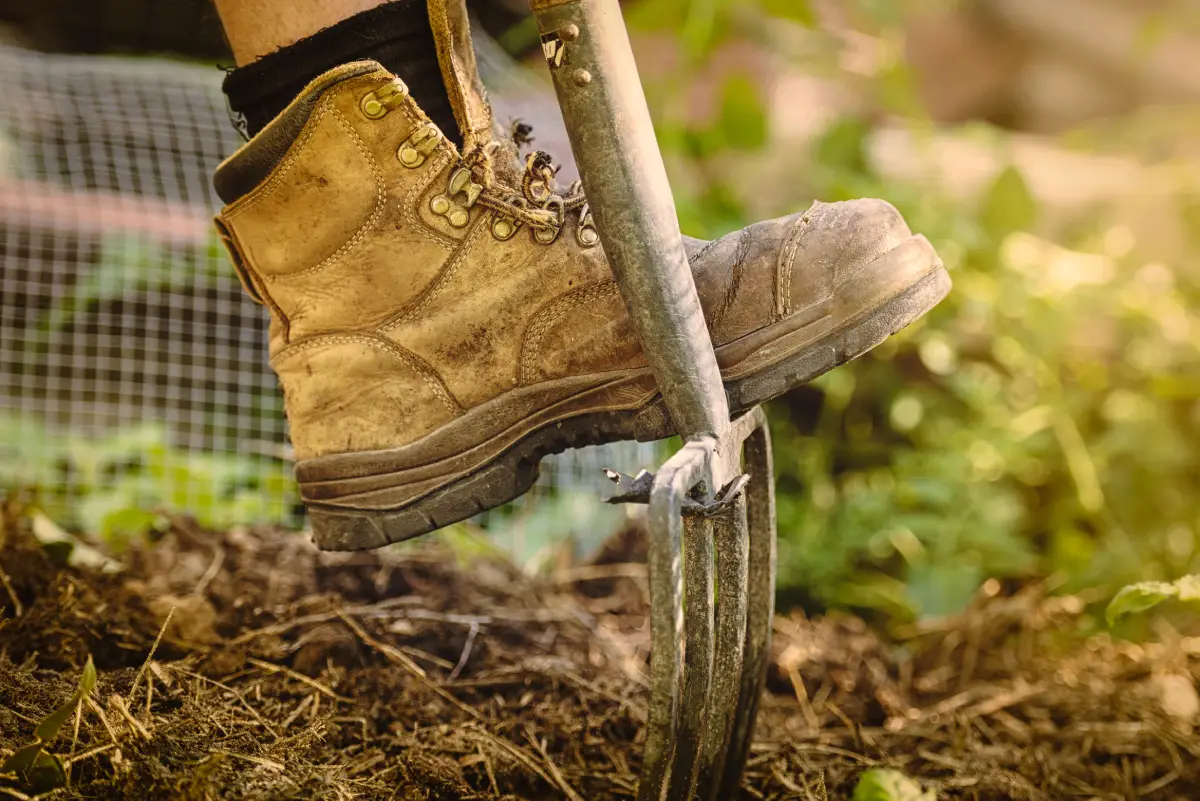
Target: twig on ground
299	710
559	779
300	677
466	652
245	704
487	767
74	742
214	568
112	735
100	749
119	704
264	762
516	753
149	656
398	657
388	610
574	575
18	609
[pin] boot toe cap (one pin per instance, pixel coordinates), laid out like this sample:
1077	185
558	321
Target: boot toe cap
840	239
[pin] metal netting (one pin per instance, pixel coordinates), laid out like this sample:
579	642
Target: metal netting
133	370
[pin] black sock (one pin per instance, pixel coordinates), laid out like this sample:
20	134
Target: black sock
396	34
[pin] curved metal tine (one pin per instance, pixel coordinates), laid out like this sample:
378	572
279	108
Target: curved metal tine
732	545
760	497
680	473
698	667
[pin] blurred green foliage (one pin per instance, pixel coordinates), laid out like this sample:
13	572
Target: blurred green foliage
117	486
1042	421
1145	595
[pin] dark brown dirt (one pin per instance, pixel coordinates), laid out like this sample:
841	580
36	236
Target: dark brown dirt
285	673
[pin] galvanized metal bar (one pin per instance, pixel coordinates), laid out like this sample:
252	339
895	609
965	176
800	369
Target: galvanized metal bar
604	107
674	480
698	665
732	544
760	504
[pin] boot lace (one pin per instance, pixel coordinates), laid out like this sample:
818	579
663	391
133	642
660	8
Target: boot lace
539	201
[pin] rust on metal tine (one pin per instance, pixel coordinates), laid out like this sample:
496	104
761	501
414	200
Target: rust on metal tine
732	539
760	512
698	667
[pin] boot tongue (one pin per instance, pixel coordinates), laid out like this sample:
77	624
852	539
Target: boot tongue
254	161
468	98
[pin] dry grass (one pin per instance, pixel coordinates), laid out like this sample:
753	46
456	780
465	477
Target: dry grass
285	673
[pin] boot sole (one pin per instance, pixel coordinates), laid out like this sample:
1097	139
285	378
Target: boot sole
501	477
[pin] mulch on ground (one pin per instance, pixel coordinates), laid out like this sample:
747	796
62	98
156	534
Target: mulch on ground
287	673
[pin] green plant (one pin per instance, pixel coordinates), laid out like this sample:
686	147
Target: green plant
885	784
115	486
32	767
1040	422
1145	595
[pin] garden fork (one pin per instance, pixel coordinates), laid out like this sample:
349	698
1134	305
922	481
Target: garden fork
702	708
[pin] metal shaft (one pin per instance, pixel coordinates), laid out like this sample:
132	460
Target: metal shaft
612	137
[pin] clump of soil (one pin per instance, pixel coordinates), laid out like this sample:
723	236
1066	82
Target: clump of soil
286	673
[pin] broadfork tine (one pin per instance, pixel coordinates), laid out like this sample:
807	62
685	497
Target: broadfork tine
680	473
732	546
698	666
760	513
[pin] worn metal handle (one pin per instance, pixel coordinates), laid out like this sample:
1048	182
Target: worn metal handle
604	106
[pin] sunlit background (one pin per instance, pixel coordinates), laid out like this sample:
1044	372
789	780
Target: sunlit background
1041	424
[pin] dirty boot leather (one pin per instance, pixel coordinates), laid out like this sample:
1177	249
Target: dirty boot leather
440	320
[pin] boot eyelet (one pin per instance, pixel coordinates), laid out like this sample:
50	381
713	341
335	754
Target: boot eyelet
586	234
545	235
416	148
460	182
375	105
459	218
440	205
504	229
372	109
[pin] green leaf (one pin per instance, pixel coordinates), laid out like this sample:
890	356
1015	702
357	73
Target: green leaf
1148	594
884	784
128	523
1008	206
24	759
47	730
743	115
46	774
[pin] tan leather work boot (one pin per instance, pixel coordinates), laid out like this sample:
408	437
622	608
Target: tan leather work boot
440	322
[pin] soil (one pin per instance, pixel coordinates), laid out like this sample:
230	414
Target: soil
286	673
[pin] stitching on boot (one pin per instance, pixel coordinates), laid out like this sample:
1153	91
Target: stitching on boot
442	278
410	359
550	314
412	200
380	206
265	190
783	270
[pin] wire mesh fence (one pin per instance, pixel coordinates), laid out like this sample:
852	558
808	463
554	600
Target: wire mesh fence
133	372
